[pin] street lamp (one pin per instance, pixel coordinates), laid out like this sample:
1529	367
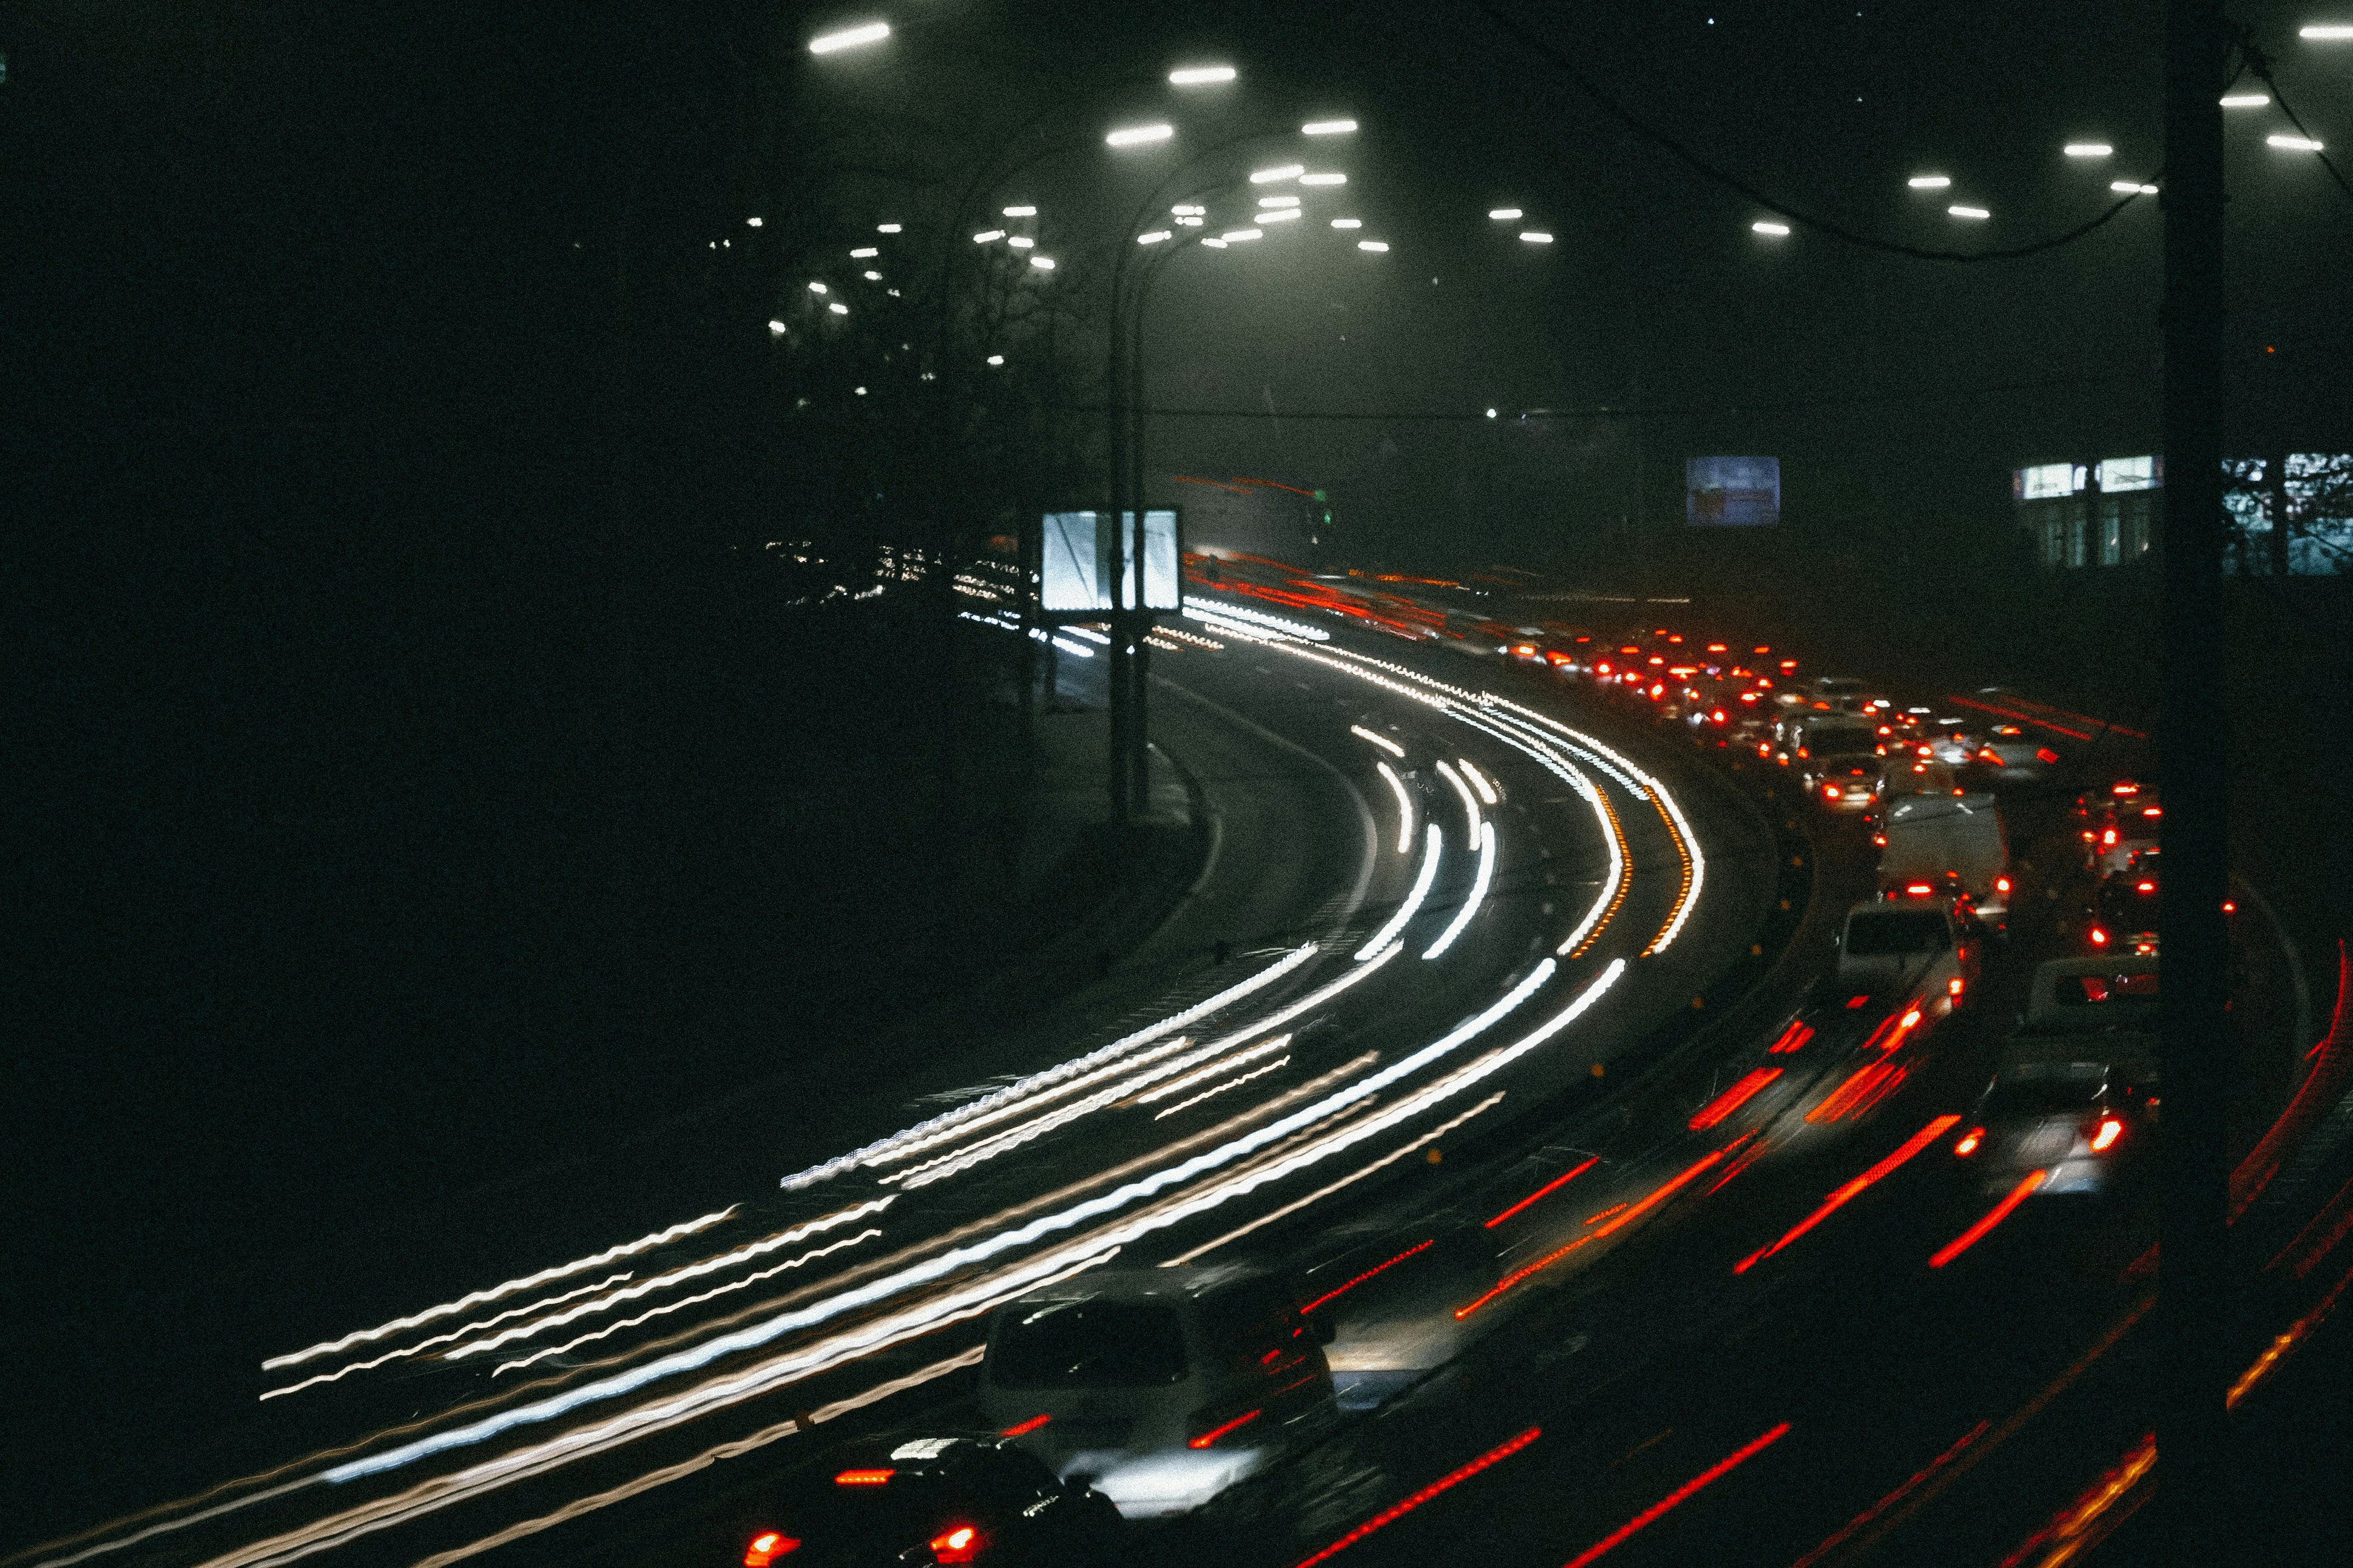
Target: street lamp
1972	213
1140	135
1277	175
1930	182
1328	128
1507	215
1764	226
2087	150
1200	76
2294	143
1376	245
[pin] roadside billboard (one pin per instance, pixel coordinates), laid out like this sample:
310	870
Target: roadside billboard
1083	555
1731	493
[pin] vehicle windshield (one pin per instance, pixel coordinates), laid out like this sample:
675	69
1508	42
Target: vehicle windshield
1887	933
2043	1094
1089	1344
2105	993
1843	743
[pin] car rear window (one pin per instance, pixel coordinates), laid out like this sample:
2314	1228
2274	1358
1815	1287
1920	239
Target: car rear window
1843	743
2077	991
1883	933
1089	1344
2042	1095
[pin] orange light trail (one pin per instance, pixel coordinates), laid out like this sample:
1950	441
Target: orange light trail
1214	1433
1846	1532
1858	1094
1624	1219
1546	1190
1742	1092
1681	1494
1404	1506
1368	1273
1792	1039
1839	1198
1026	1427
1994	1216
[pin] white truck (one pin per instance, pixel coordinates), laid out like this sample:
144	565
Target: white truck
1946	841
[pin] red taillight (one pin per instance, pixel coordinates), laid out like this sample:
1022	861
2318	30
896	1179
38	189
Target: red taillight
1953	986
2128	789
1969	1142
766	1547
1988	755
2108	836
2144	886
1214	1433
1918	891
1026	1427
1829	792
2230	908
961	1544
2110	1130
2046	755
2001	884
863	1478
2099	937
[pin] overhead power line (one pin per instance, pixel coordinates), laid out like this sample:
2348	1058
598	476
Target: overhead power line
2261	64
1675	148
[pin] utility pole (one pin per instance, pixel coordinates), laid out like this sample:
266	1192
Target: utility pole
2195	1048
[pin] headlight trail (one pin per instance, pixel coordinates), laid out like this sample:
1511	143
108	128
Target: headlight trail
1405	805
1378	739
695	1300
433	1314
990	1106
1478	780
423	1346
1178	1086
1479	885
1282	1061
1470	802
1381	939
678	1276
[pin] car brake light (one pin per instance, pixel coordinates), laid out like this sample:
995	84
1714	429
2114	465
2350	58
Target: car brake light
1969	1142
2001	884
2109	837
2228	907
2144	886
1953	986
1829	792
2128	789
2110	1130
2046	755
1214	1433
1988	755
2099	937
1024	1429
1918	891
766	1547
961	1544
863	1478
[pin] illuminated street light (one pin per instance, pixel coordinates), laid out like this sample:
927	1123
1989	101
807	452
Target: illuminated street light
2087	150
1020	212
1042	263
1328	128
996	359
2131	188
863	251
1191	220
751	223
1535	236
1154	237
838	308
2294	143
2246	100
1930	182
1021	242
1322	179
850	37
889	228
1347	223
1186	209
1214	243
1200	76
1968	212
1490	414
1278	214
873	277
2326	33
1507	215
1763	226
1278	201
818	289
775	329
1372	245
988	237
1286	172
1236	236
1140	135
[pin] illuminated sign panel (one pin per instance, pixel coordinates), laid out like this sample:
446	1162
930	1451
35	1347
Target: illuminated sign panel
2131	474
1731	493
2045	481
1083	555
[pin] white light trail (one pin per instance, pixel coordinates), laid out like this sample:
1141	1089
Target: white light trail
1507	215
476	1298
1154	237
1259	617
1378	739
1479	886
1237	236
1282	1061
1970	212
1470	802
2294	143
1043	263
1280	214
1478	780
2326	32
1278	201
1382	941
1202	1075
1405	805
1535	236
1007	1100
850	37
423	1346
1140	135
1763	226
1930	182
1020	212
1327	128
2087	150
988	237
1347	223
1200	76
1373	245
1323	179
1285	172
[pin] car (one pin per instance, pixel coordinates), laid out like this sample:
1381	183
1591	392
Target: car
2125	913
933	1498
1918	941
2074	1119
2112	996
1948	843
1167	1385
2116	829
2011	753
1837	758
1841	693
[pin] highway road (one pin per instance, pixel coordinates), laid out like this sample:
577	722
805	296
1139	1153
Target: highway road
1728	1291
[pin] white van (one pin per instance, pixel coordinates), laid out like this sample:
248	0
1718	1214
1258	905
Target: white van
1946	841
1916	944
1161	1386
